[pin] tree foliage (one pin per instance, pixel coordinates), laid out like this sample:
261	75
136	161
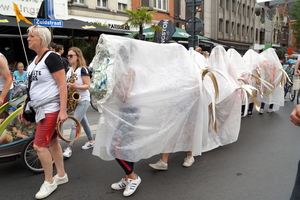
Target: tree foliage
139	17
295	14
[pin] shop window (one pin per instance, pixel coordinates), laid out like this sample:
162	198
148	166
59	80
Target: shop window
102	3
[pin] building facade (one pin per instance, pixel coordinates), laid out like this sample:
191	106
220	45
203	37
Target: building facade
110	13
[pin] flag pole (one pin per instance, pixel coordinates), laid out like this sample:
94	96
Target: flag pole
19	17
23	44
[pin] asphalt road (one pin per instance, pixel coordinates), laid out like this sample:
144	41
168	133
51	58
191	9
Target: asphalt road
261	165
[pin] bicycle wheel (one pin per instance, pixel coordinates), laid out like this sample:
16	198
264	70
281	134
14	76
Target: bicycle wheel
292	95
30	158
298	97
286	88
93	102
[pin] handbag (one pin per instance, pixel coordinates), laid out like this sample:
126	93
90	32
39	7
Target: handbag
28	116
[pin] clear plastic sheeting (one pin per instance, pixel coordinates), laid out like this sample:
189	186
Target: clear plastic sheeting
154	99
162	98
228	105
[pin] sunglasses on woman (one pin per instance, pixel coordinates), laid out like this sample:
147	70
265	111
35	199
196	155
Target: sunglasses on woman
71	55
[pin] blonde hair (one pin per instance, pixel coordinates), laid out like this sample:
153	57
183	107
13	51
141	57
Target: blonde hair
20	64
81	61
42	32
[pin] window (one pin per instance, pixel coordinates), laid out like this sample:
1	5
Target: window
238	29
227	26
227	5
79	2
248	11
243	30
220	25
102	3
160	4
122	6
233	6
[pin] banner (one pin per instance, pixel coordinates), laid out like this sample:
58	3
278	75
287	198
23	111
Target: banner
168	29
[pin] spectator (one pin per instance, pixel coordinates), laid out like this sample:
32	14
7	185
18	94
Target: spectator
20	78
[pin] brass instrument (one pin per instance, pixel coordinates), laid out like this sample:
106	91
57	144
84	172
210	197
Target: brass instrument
73	95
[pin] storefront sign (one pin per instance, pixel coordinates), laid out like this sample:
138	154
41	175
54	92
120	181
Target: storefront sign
30	8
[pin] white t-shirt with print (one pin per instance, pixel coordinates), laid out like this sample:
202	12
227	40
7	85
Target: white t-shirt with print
43	85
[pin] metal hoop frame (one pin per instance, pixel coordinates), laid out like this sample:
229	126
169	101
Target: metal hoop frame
78	130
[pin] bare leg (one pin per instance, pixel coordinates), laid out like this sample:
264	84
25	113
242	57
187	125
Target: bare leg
46	161
131	176
57	155
165	157
3	138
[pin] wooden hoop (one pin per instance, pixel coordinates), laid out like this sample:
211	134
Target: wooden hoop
78	130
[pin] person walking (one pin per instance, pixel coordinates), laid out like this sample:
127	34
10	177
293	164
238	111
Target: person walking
47	96
81	85
5	79
60	50
162	164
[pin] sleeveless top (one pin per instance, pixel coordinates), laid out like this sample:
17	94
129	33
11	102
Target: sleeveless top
2	81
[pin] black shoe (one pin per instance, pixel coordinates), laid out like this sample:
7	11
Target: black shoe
250	114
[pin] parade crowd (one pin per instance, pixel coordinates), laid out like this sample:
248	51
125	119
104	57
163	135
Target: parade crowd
160	99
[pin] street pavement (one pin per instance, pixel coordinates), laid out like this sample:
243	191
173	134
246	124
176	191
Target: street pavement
261	165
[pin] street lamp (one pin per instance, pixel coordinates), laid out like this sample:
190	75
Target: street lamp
194	6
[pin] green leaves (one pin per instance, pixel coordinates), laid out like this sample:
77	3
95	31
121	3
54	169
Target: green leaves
139	17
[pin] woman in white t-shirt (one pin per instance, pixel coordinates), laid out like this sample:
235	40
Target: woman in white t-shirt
48	97
81	86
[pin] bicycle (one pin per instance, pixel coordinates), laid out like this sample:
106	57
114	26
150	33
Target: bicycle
93	102
94	99
288	88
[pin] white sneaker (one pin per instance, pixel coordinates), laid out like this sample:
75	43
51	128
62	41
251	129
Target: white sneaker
270	110
61	180
188	161
261	111
88	145
119	185
160	165
45	190
131	186
67	153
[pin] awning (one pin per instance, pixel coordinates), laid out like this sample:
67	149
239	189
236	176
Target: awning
71	28
179	34
214	43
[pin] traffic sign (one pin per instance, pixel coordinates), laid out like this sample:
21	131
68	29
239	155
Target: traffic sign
48	22
198	26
